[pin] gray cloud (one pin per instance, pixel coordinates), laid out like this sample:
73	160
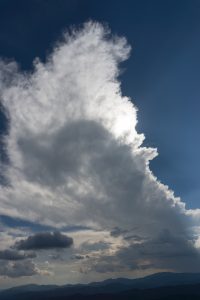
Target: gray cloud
78	256
166	251
95	246
117	232
18	269
11	254
45	240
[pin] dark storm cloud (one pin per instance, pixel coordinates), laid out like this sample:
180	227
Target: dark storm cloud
45	240
11	254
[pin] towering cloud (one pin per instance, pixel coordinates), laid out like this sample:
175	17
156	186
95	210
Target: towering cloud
75	157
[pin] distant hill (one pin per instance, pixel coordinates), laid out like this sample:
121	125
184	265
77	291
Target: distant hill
161	286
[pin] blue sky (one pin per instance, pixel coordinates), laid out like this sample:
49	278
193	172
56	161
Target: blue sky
78	199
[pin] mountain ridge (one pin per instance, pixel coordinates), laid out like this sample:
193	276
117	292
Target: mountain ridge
110	288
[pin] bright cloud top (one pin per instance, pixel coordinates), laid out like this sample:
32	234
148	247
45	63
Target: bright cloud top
75	157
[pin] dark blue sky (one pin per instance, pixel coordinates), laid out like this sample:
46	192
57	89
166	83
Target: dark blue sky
162	76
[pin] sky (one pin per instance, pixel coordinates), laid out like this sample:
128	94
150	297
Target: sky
99	139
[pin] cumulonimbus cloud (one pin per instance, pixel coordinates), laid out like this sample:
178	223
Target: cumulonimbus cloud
75	156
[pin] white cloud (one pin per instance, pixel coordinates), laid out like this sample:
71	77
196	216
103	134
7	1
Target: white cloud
75	155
